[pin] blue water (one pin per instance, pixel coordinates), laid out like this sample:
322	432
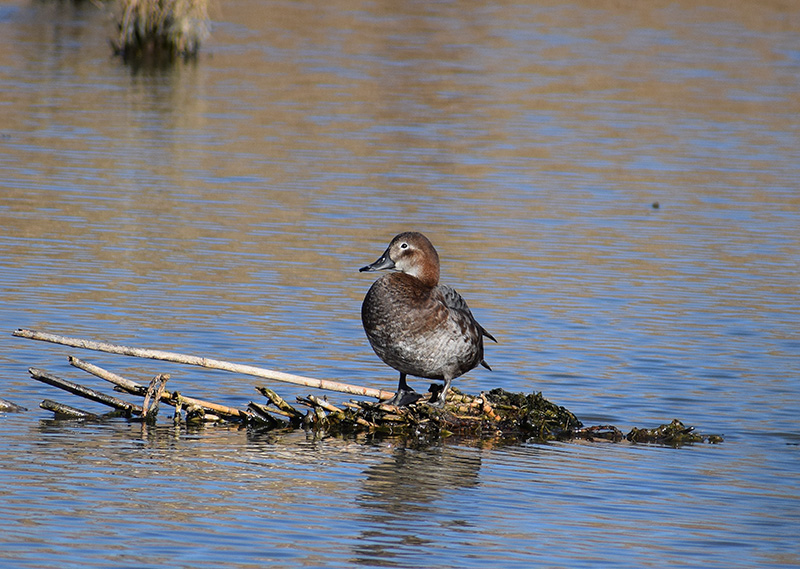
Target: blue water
223	208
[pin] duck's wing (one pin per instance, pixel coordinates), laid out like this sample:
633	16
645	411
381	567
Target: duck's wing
456	302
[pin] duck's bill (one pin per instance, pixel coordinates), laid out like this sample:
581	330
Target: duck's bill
385	262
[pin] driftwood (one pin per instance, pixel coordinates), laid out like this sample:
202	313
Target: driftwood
497	414
62	411
91	394
174	399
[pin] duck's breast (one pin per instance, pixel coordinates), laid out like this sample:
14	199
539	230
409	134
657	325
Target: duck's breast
422	331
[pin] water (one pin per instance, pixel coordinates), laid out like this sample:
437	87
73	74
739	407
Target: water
223	208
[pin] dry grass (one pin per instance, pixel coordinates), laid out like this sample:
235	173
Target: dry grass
161	30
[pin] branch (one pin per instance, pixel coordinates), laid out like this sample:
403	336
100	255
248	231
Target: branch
85	392
205	362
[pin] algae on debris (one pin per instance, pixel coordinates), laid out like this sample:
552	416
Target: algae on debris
673	434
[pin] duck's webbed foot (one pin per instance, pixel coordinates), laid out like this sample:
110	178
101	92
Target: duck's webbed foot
439	393
403	397
437	402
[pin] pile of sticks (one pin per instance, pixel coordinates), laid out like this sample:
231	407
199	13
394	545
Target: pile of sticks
195	409
496	414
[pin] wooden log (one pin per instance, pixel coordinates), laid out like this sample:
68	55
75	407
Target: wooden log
175	399
84	392
206	363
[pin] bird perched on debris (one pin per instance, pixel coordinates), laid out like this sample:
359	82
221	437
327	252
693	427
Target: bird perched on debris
416	325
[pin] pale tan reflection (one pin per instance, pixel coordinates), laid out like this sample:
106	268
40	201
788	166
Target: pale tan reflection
354	101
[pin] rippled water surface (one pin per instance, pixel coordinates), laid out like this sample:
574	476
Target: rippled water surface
614	188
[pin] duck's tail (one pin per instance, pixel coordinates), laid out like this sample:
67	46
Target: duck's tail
485	333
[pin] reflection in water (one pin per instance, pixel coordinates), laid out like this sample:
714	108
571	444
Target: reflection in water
403	495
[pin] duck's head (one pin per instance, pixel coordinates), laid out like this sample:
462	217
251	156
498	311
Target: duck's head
411	253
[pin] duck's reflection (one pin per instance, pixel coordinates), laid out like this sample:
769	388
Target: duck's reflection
404	495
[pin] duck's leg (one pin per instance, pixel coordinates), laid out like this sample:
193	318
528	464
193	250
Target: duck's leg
443	393
404	396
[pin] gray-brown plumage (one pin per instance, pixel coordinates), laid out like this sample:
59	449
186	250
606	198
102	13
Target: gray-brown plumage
416	325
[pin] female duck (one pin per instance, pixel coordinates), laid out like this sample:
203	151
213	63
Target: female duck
416	325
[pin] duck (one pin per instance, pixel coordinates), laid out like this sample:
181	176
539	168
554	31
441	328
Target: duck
416	325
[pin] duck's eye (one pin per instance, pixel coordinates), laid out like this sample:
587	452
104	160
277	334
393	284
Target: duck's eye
404	245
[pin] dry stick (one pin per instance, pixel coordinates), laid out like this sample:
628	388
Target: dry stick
134	388
207	363
324	404
121	382
85	392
